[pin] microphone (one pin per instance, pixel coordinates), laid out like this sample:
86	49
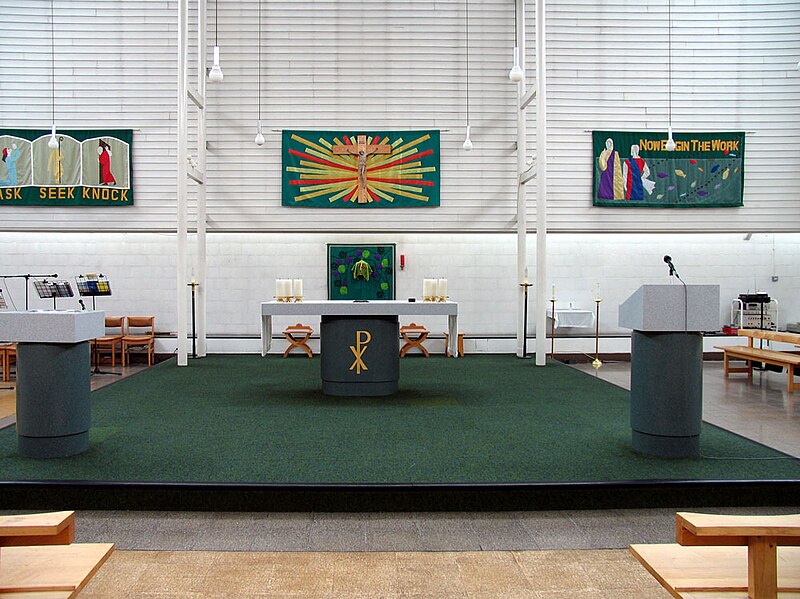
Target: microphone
672	271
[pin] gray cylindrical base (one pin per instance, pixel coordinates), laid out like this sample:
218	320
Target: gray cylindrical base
666	393
53	399
360	356
666	447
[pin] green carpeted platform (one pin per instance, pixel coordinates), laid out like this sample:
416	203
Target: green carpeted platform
481	419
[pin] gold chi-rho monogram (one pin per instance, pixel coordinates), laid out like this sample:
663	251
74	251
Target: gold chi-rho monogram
362	339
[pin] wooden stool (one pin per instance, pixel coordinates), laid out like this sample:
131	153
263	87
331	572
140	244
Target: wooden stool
297	335
460	349
414	334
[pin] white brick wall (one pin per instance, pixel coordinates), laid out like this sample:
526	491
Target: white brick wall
242	269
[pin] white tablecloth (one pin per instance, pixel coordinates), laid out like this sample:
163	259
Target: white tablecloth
572	318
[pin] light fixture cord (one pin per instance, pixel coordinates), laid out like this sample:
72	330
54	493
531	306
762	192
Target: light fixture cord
259	60
216	23
466	27
669	55
52	64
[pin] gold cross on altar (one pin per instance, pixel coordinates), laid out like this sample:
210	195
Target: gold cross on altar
362	150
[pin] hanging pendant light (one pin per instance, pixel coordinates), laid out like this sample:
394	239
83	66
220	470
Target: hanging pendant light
53	141
215	74
259	140
467	141
670	145
516	74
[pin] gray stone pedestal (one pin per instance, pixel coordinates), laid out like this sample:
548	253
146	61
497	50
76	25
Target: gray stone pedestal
53	407
666	393
360	356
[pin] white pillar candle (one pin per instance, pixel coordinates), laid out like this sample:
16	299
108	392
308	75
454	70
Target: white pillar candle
554	292
297	287
428	288
597	291
284	288
441	288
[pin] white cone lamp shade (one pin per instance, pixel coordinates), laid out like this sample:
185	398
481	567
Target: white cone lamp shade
53	141
670	145
516	74
215	74
467	142
259	136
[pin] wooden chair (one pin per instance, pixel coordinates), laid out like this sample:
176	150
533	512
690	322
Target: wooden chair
460	341
7	352
144	338
298	335
111	340
413	334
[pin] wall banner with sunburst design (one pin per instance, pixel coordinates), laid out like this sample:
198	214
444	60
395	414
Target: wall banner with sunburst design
634	169
360	169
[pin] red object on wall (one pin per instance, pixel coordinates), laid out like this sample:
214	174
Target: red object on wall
402	261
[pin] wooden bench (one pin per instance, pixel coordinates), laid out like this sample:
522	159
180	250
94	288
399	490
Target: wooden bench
727	556
50	572
751	354
53	528
413	334
298	335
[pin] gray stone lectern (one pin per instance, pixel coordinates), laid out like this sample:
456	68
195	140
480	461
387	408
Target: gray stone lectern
667	364
53	370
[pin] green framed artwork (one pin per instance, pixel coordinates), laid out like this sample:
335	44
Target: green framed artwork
361	272
360	169
87	167
634	169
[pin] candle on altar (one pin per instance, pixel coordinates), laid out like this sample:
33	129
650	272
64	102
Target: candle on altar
297	287
428	288
554	292
441	288
597	291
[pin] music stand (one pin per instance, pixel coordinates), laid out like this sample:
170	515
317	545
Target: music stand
55	289
92	285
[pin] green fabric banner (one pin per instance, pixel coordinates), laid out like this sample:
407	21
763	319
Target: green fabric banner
361	272
634	169
88	168
368	169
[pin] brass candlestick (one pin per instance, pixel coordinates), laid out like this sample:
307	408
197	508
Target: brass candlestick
552	326
596	363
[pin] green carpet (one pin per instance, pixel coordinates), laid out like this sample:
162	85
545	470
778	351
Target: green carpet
481	419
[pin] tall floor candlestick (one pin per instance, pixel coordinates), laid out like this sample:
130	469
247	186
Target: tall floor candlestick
525	286
596	363
553	323
194	284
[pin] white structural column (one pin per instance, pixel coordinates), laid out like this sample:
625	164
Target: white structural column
541	185
522	218
201	190
185	171
182	241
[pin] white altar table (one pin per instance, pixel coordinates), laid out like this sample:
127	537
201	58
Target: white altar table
357	308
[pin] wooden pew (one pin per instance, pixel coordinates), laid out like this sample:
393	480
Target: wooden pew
53	528
39	559
751	354
727	556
